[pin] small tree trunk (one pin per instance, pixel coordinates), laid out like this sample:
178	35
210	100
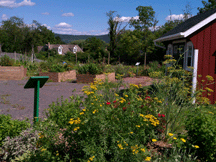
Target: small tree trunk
109	58
76	58
145	61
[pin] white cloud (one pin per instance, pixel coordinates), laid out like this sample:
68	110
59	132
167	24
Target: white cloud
125	19
48	27
45	13
4	17
64	28
68	14
13	4
175	17
63	25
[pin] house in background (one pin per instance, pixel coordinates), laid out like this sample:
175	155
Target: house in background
196	38
62	49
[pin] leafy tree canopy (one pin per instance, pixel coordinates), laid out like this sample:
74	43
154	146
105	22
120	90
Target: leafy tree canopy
211	4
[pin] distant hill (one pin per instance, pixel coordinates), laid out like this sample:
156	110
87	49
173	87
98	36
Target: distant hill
68	38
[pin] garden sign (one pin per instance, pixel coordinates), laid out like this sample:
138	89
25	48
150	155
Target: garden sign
36	82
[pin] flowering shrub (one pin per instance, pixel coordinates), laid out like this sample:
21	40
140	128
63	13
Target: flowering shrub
135	124
201	127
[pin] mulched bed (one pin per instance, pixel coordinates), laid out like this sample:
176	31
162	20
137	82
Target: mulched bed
143	80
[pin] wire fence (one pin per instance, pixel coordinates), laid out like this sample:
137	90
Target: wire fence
20	57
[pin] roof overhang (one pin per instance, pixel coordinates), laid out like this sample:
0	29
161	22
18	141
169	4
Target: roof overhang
170	37
189	31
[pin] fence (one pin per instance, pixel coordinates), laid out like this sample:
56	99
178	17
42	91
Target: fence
20	57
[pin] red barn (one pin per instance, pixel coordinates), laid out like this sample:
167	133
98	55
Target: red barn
196	38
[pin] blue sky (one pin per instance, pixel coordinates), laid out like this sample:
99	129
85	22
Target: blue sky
79	17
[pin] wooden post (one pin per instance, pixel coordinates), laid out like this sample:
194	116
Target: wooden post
108	57
145	61
32	53
15	55
76	58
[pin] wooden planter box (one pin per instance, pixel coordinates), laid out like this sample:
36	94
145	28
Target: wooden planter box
88	78
12	72
60	76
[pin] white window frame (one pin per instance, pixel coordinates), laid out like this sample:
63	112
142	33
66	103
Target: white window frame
169	49
60	50
75	50
189	50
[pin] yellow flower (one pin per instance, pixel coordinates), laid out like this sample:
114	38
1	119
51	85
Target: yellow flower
142	115
174	138
209	90
92	103
81	113
116	94
154	140
183	140
209	78
43	149
211	112
126	143
170	134
126	95
159	101
75	129
57	154
131	132
120	146
100	105
196	146
84	110
138	126
142	149
91	158
147	158
41	135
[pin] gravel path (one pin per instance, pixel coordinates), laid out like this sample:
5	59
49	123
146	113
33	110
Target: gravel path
19	102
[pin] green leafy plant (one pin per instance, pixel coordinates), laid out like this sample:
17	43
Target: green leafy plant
6	61
18	148
201	129
90	68
11	128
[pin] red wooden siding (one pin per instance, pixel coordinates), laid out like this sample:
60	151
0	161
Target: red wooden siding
205	41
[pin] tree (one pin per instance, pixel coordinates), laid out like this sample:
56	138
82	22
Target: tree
114	32
80	43
143	24
129	46
211	4
146	18
96	48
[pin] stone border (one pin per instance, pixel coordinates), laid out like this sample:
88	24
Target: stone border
88	78
60	76
12	72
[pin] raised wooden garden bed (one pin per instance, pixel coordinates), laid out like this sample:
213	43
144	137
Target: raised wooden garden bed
12	72
60	76
88	78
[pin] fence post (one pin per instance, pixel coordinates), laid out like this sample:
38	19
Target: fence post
15	55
